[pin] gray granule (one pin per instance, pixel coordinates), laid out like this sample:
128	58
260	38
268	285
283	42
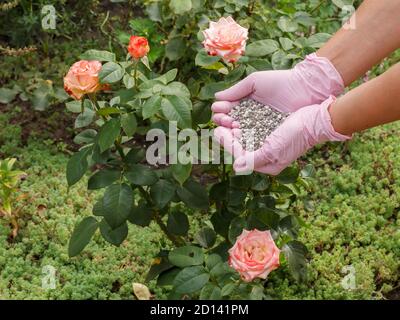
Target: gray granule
256	121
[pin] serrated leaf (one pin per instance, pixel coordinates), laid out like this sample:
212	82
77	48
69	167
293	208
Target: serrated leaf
111	72
81	235
141	175
113	236
178	223
186	256
177	109
117	203
103	178
191	279
77	166
108	133
162	192
151	106
261	48
129	124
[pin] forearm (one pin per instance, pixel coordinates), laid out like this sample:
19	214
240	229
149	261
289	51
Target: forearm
376	34
374	103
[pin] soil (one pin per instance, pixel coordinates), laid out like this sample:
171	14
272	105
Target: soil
55	123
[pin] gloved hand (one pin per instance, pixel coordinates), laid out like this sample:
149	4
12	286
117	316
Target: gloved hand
309	82
301	131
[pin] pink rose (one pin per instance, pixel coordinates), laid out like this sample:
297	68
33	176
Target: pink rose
254	255
226	39
83	78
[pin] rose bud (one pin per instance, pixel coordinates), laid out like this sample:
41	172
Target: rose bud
138	47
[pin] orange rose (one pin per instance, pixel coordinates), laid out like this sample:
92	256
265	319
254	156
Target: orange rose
83	78
138	47
254	255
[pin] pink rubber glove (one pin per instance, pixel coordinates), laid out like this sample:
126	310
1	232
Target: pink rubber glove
309	82
301	131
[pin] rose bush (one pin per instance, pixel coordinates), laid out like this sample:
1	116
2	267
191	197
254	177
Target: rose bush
194	262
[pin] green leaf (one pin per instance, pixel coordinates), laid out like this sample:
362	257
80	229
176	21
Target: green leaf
77	166
191	279
203	59
81	235
175	48
103	178
212	260
295	253
7	95
74	106
111	72
167	277
176	89
208	91
261	48
117	203
113	236
180	6
108	111
129	124
129	81
186	256
178	223
318	40
210	292
98	208
287	25
286	43
289	175
228	289
141	175
236	228
162	192
159	265
169	76
86	136
85	118
206	237
194	195
108	133
181	172
308	171
99	55
260	182
151	106
177	109
280	61
140	215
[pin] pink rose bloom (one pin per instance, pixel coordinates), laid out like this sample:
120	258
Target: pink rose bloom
254	255
83	78
226	39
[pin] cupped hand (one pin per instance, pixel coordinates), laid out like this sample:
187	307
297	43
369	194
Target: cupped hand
301	131
309	82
